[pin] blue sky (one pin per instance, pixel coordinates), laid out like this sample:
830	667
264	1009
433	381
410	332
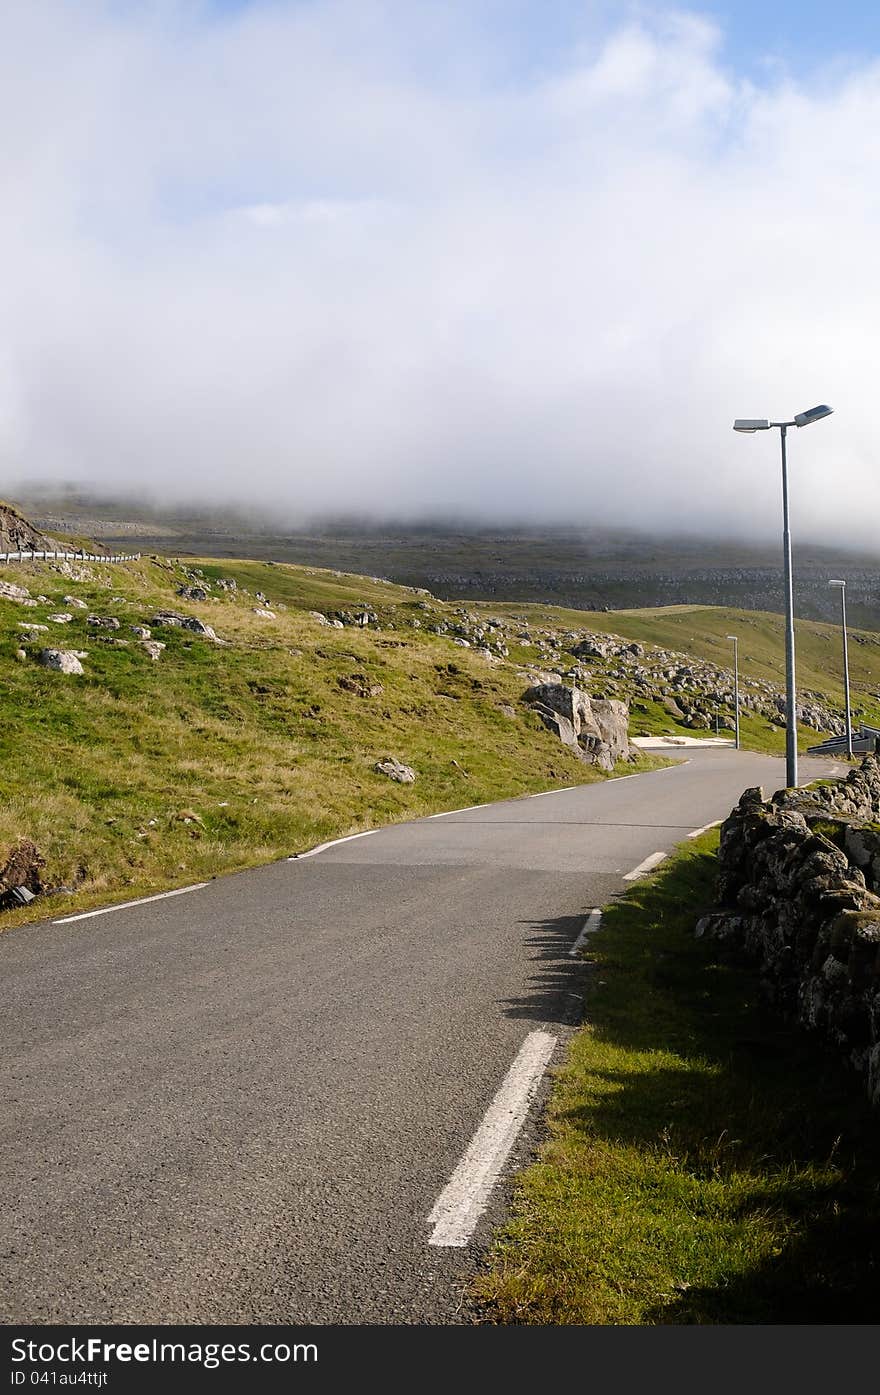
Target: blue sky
801	33
498	257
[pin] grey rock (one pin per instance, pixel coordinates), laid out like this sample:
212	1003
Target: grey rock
395	770
596	729
10	592
60	660
184	622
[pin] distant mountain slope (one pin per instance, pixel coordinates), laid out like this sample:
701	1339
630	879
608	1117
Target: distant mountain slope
17	534
581	567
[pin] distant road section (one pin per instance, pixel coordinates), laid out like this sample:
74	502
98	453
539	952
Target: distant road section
294	1095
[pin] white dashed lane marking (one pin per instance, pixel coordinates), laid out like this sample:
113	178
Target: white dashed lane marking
647	866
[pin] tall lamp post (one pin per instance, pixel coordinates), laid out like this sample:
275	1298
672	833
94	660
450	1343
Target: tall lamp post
750	424
735	686
841	585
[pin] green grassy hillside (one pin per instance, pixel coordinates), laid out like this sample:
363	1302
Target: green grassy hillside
140	774
701	631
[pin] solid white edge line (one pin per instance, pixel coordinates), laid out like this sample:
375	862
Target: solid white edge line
322	847
705	829
647	866
124	905
542	794
461	1203
445	813
591	924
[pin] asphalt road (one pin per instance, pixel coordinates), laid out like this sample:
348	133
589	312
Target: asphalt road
241	1104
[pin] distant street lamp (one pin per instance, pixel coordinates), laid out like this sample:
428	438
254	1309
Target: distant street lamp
735	685
751	424
841	585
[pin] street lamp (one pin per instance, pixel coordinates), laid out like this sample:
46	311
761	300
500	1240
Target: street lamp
735	685
751	424
841	585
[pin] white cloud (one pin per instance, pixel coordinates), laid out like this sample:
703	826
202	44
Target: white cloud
325	256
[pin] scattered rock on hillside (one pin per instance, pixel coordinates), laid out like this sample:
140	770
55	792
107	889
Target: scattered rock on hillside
360	684
140	631
323	620
226	583
104	622
266	614
193	593
185	622
10	592
62	618
20	655
75	602
27	625
591	649
395	770
60	660
153	647
20	594
23	868
360	618
72	573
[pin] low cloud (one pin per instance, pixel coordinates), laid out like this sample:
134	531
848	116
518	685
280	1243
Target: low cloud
356	254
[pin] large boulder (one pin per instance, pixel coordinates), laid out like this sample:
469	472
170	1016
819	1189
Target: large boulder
596	729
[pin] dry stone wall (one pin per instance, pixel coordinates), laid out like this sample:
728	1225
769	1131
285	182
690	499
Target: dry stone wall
799	894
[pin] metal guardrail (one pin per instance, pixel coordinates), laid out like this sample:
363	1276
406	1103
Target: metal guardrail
68	556
865	740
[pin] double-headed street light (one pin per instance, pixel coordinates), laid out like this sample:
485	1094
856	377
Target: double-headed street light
735	685
750	424
842	587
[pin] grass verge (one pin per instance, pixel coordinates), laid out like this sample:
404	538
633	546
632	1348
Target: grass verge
705	1163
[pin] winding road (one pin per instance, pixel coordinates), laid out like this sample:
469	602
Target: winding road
270	1099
